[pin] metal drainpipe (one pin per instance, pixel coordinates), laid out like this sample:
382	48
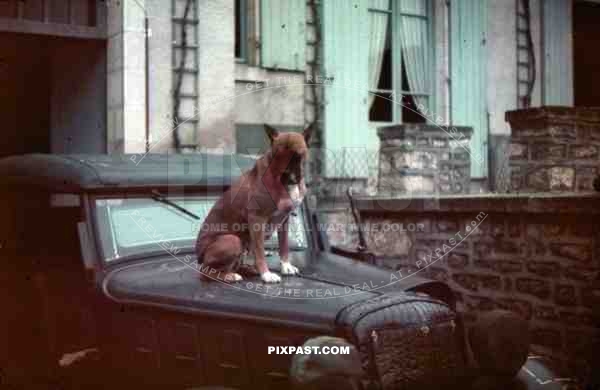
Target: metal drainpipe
147	80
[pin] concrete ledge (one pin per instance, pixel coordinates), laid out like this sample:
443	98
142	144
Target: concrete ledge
562	203
545	116
423	131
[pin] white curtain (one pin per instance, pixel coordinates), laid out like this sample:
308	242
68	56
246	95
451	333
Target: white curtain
415	52
378	22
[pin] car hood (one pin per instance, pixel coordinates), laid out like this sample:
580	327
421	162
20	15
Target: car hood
312	300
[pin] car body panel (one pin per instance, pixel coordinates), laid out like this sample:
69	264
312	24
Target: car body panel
149	319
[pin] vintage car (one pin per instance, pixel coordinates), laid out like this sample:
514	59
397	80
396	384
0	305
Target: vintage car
100	287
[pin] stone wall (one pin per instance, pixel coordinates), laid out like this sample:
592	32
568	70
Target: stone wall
536	255
553	148
417	158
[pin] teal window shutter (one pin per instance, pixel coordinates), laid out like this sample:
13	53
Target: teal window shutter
557	64
283	34
346	66
468	75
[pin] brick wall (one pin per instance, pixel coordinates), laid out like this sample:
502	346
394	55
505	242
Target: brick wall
538	256
553	148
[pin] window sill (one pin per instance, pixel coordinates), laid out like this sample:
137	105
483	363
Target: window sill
248	73
257	74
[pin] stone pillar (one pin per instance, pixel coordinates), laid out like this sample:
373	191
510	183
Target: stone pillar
216	81
553	148
416	158
126	84
160	87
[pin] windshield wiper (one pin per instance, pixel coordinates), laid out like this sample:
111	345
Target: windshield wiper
157	196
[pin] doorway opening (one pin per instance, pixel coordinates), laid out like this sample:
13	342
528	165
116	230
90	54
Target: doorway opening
586	59
53	95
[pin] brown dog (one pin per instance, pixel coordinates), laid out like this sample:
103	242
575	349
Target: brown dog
248	211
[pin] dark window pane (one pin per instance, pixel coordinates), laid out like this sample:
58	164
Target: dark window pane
382	108
385	77
238	28
410	112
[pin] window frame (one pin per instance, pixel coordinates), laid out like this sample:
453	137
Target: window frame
397	92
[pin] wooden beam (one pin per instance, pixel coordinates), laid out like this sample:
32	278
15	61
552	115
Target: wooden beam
62	30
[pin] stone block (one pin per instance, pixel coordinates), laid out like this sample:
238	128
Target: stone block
479	303
446	226
545	313
497	249
467	281
590	297
554	230
581	342
581	273
539	179
519	306
491	282
562	178
544	268
548	152
457	260
581	152
502	266
565	295
388	242
497	229
438	273
534	230
535	287
513	227
563	133
584	182
547	337
577	318
518	151
581	253
439	142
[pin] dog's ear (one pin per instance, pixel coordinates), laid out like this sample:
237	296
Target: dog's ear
307	133
272	133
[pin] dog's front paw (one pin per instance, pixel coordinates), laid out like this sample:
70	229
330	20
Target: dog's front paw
270	277
233	277
288	269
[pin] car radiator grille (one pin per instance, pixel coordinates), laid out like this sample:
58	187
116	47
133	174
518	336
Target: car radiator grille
406	341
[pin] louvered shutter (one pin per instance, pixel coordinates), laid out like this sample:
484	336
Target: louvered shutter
468	76
345	63
283	34
557	63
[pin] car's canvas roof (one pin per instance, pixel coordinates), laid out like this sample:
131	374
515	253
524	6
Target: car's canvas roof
76	173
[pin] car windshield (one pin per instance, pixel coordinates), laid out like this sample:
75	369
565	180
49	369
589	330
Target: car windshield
132	226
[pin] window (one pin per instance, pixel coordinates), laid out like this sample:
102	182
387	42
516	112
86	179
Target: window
400	71
132	226
241	30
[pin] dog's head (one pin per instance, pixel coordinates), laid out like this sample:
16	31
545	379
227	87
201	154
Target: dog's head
289	152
